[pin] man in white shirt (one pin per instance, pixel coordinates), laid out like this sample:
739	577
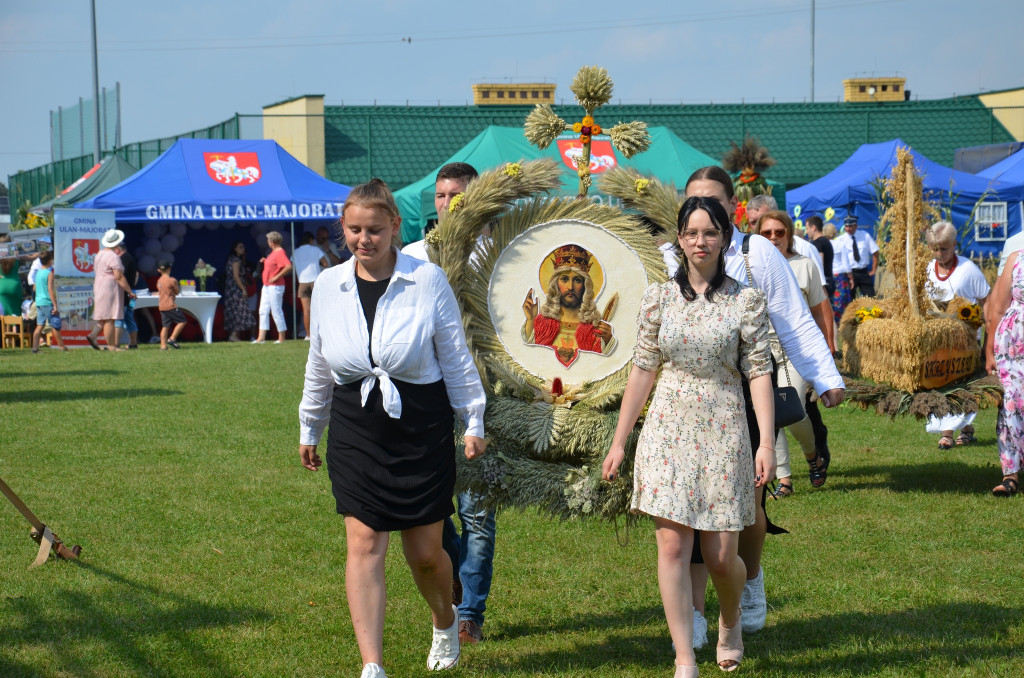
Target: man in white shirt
862	253
308	261
472	553
451	180
807	351
1012	244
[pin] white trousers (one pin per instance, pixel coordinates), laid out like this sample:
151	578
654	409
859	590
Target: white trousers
272	304
950	422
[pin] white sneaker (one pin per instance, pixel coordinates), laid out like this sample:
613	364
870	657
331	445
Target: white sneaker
700	630
753	604
372	671
444	649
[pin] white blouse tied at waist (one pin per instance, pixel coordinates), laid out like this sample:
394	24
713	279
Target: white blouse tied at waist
417	338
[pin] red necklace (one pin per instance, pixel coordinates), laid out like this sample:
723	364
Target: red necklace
943	278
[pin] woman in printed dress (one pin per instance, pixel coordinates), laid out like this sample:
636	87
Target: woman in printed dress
238	317
1004	355
692	464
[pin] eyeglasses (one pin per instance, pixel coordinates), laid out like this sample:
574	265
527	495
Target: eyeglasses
778	233
709	236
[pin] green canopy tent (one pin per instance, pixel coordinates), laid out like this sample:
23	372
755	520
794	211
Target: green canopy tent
669	158
111	171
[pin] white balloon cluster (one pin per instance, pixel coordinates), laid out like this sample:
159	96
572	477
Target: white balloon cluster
161	241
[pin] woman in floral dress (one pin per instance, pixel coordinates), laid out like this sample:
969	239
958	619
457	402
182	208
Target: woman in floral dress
238	317
1004	354
692	464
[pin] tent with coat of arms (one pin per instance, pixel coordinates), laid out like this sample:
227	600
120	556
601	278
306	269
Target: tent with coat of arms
202	195
198	180
669	158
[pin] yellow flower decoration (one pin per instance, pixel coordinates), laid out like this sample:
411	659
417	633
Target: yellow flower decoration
577	126
829	214
640	185
796	210
433	238
585	138
587	120
456	203
513	169
864	314
799	223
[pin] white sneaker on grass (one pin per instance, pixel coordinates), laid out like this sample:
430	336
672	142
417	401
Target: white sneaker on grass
444	648
372	671
753	604
700	630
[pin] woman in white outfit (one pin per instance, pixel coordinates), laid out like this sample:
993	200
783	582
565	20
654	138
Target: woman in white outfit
778	228
951	275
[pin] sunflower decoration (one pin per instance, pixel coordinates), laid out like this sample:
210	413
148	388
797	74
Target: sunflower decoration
868	313
965	311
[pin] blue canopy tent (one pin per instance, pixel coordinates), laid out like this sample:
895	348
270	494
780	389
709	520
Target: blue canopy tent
1010	171
851	189
198	186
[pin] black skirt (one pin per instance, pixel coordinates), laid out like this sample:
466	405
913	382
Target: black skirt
392	474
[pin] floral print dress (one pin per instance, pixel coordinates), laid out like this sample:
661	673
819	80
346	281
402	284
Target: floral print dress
693	463
237	315
1008	346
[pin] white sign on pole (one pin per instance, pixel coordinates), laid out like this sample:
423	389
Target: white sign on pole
76	240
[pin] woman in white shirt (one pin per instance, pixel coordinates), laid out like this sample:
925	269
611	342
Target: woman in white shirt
388	364
950	275
778	228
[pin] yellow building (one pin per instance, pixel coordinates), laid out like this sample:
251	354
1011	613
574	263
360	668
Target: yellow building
516	94
298	126
861	90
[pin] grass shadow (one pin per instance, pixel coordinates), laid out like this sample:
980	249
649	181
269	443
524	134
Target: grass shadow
62	373
948	477
60	396
858	643
145	630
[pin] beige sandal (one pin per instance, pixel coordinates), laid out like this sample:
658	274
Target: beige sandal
730	645
686	671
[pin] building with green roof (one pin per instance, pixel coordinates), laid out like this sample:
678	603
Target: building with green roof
401	144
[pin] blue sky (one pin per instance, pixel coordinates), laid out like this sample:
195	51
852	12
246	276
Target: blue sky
189	64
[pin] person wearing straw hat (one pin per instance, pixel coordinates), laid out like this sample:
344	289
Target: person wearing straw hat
108	302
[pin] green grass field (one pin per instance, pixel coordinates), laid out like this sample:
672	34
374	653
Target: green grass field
208	550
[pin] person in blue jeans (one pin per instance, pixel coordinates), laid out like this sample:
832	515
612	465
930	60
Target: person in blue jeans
474	553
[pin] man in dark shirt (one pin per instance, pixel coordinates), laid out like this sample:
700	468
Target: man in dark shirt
131	274
824	247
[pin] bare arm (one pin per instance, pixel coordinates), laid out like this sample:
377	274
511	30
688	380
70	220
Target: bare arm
236	273
998	301
638	388
123	282
282	273
53	292
764	408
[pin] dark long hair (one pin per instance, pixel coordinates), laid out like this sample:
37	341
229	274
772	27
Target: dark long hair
720	220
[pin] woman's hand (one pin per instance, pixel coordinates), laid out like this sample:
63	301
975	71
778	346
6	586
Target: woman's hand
309	458
475	447
612	462
764	462
990	364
